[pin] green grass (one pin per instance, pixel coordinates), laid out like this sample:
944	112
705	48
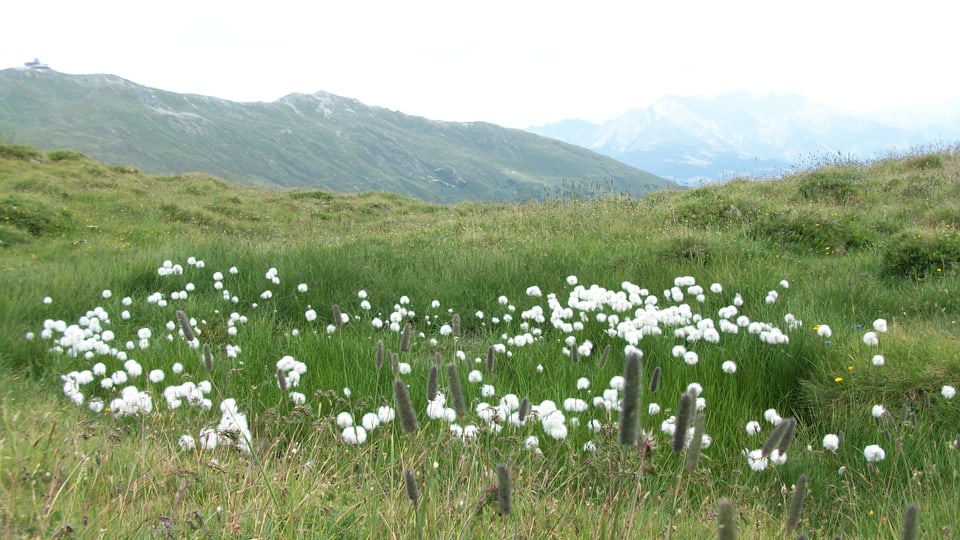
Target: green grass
855	242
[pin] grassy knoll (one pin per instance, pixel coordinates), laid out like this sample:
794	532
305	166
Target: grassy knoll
829	297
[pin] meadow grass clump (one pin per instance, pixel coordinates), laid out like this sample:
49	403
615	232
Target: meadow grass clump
923	162
34	217
66	155
834	184
711	207
917	256
20	152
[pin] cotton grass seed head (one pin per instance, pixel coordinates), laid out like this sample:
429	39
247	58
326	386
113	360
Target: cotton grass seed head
878	411
874	454
831	442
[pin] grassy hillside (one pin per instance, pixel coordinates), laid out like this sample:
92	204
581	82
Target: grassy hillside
310	141
846	277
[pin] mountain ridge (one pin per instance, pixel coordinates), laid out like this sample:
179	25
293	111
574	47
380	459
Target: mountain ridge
316	140
693	139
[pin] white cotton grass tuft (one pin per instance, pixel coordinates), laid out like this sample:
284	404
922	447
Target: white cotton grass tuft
354	435
755	458
831	442
878	411
344	420
871	339
370	421
948	391
729	367
874	454
186	442
880	325
878	360
753	427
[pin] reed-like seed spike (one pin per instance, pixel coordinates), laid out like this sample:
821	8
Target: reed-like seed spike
926	399
455	324
433	383
684	410
604	356
490	359
408	418
185	326
655	380
795	510
911	523
887	435
574	353
525	407
696	443
207	358
904	413
802	536
379	354
630	404
787	437
337	316
775	436
394	362
504	491
683	420
726	520
413	492
281	380
405	338
456	390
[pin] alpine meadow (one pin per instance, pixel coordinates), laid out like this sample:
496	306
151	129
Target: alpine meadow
186	357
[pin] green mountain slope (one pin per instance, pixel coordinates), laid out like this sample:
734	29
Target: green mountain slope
312	141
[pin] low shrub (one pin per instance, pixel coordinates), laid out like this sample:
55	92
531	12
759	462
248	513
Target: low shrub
34	217
20	151
916	256
65	155
836	184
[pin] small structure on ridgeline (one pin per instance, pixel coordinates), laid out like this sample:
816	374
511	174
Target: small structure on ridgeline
37	65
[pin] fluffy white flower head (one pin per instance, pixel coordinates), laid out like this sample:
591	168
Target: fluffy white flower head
831	442
874	454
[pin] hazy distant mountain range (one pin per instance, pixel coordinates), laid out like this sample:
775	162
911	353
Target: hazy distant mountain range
695	139
315	141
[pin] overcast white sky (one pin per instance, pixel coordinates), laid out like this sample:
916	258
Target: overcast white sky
516	63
